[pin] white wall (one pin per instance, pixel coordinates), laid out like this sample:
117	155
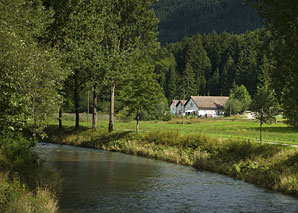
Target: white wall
191	106
173	108
180	108
211	112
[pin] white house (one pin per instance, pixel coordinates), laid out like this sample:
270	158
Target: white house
173	106
209	106
180	107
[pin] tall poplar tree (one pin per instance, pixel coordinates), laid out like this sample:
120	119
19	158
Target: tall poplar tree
77	32
129	25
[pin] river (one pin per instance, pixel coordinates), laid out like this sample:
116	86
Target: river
100	181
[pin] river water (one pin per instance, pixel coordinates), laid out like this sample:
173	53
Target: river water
100	181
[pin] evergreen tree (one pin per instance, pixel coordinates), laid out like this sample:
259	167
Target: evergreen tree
188	84
281	19
265	105
264	70
172	82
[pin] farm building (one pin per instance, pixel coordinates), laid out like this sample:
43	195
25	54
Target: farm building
173	106
180	107
210	106
176	106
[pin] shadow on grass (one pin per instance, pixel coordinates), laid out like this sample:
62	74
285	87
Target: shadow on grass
237	151
276	129
52	130
85	136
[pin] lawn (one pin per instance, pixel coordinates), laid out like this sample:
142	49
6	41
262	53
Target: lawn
236	128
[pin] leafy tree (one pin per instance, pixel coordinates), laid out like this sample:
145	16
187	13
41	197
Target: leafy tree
232	106
129	25
31	72
78	33
281	19
264	105
239	100
142	92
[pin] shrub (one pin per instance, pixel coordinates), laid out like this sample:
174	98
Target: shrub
15	197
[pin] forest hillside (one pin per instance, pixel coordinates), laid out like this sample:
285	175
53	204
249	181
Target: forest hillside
180	18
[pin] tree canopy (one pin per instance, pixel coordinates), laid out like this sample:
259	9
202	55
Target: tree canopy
31	72
281	19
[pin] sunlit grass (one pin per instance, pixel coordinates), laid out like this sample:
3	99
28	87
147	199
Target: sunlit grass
225	128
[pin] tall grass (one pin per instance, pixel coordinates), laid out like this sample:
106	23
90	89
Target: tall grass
16	198
25	184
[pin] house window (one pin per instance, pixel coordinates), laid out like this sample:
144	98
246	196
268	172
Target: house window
191	104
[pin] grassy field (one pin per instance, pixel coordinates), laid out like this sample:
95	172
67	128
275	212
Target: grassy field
225	128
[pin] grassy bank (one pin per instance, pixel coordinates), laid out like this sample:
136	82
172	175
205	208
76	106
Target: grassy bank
270	166
26	186
15	197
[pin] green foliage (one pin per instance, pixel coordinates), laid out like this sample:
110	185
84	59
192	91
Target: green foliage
142	92
17	156
265	104
232	106
15	197
31	73
211	63
284	73
239	100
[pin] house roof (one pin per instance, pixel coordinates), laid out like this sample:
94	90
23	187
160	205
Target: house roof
175	102
209	102
181	101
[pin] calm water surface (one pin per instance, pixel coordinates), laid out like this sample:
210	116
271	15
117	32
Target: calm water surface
100	181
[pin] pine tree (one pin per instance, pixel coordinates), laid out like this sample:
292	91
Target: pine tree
188	83
172	85
265	105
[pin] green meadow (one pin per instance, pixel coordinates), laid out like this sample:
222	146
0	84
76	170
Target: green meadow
219	128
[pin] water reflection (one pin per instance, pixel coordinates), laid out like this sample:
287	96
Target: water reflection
99	181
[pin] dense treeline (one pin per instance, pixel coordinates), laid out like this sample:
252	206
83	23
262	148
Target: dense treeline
179	18
210	64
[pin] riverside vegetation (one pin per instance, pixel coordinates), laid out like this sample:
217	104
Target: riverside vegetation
271	166
25	184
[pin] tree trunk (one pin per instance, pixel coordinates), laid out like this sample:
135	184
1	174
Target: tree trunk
60	118
261	123
111	117
76	103
137	124
94	118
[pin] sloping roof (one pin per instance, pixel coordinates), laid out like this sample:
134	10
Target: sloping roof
175	102
209	102
182	102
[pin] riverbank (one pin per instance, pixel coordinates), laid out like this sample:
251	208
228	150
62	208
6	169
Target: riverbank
26	185
271	166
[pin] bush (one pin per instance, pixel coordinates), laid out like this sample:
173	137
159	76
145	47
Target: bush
15	197
17	156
